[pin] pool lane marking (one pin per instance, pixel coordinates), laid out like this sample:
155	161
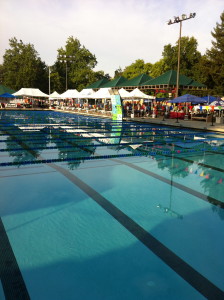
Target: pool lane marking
83	147
188	190
173	183
197	163
183	269
12	280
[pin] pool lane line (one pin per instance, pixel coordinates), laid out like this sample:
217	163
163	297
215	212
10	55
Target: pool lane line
197	163
102	130
181	187
82	147
23	145
183	269
12	280
206	198
26	174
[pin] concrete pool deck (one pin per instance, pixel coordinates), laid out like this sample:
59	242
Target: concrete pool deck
201	125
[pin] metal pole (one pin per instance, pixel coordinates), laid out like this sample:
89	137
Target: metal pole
66	75
179	20
49	80
178	61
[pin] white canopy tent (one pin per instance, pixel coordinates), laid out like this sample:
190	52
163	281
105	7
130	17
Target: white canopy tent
136	93
124	94
86	94
54	96
70	94
102	93
30	92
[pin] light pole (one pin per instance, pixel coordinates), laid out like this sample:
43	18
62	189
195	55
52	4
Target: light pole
49	68
66	59
179	20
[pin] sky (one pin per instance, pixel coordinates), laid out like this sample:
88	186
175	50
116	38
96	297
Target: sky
117	32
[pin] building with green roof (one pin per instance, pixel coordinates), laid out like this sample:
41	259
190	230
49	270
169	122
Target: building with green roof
5	89
98	84
136	81
168	81
117	82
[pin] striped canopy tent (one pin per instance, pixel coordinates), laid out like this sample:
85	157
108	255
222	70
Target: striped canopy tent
209	99
218	102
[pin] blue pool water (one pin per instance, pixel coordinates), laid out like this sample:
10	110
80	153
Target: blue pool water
103	210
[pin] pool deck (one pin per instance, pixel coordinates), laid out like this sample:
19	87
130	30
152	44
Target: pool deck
201	125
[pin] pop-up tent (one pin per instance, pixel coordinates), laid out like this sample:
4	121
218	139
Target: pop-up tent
136	93
5	98
102	93
70	94
54	96
124	94
7	95
188	98
30	92
217	103
86	94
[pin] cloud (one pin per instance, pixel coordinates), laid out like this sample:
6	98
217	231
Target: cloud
117	32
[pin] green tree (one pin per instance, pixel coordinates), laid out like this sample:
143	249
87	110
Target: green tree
201	72
137	68
118	72
189	56
159	68
1	74
79	63
215	56
22	67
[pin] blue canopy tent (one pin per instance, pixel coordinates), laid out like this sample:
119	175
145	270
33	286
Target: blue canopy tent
209	99
5	98
7	95
188	98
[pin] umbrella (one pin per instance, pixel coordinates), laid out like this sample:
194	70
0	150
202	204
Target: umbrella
188	98
217	103
7	95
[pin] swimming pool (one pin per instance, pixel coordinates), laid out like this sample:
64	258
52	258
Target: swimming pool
98	209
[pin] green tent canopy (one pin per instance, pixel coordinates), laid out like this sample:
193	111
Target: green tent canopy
98	84
4	89
137	81
117	82
169	79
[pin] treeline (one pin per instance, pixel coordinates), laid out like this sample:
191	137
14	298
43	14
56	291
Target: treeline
74	65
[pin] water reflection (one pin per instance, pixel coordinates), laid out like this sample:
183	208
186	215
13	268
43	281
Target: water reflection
71	147
31	135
